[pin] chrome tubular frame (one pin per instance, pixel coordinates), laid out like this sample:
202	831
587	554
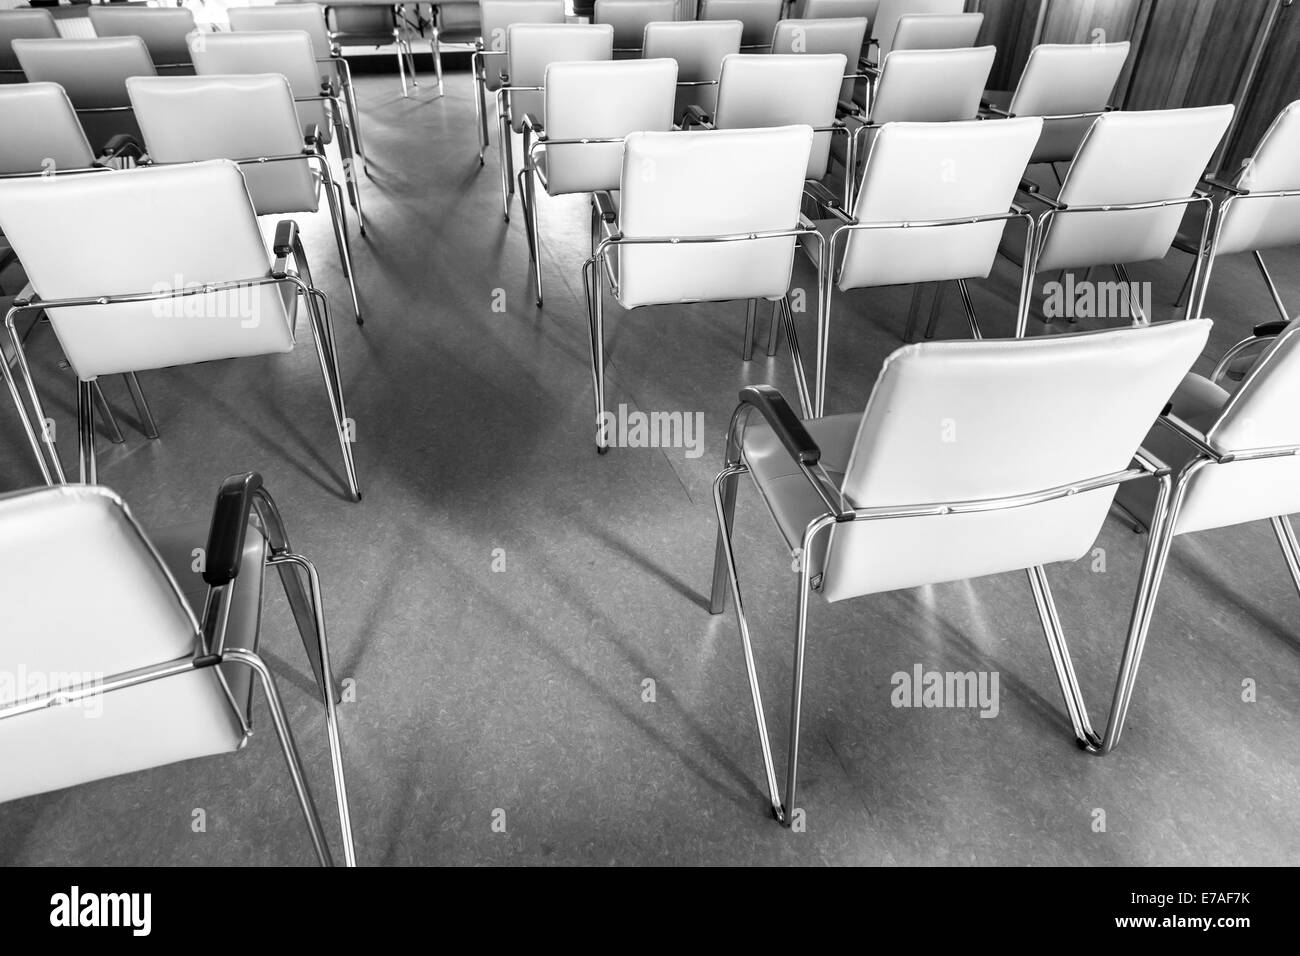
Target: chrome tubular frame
347	150
478	69
343	72
47	451
830	272
596	269
210	651
840	511
505	140
1201	286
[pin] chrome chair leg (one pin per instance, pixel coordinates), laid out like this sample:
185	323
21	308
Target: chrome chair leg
940	293
773	327
593	279
1272	287
436	50
1290	547
38	410
751	314
334	196
21	409
528	198
969	305
913	312
1061	657
401	63
1134	307
324	337
142	408
87	470
354	112
477	71
505	149
111	428
801	381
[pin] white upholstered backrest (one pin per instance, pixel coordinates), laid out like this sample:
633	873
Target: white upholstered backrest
889	12
171	226
535	46
1064	78
972	420
937	31
1262	411
929	171
826	35
602	100
83	596
308	17
932	86
23	24
1266	223
629	18
698	47
498	15
163	29
188	119
1131	157
41	130
720	182
288	52
835	9
758	16
761	90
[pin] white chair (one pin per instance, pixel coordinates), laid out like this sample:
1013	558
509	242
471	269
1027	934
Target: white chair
1069	85
309	18
252	121
934	202
877	501
629	19
186	279
488	62
366	24
1125	193
316	95
589	109
716	222
1233	455
834	9
164	30
457	24
93	73
31	24
1259	206
889	12
531	48
121	628
699	48
758	16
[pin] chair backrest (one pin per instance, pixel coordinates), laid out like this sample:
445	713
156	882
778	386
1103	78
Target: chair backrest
498	15
919	172
187	119
1261	412
629	19
763	90
164	30
931	86
127	613
171	227
1131	157
826	35
712	183
22	24
835	9
535	46
1062	79
288	52
93	73
1274	167
460	22
41	131
890	11
362	21
937	31
949	422
602	100
308	17
758	16
699	48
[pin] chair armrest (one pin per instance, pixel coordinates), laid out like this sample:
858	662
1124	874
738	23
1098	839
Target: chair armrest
697	116
311	134
1217	183
120	145
1268	330
780	417
286	239
327	86
531	123
229	527
605	206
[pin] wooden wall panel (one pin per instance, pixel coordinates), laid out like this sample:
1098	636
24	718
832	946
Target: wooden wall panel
1277	83
1010	26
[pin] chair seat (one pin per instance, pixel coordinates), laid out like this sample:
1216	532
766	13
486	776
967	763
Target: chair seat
789	496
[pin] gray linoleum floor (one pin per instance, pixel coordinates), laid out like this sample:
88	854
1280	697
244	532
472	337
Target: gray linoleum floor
516	695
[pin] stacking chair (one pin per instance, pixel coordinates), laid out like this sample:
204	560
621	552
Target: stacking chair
531	48
885	26
252	121
717	222
1258	208
1233	453
288	52
1125	193
589	109
923	86
186	279
19	24
933	205
162	656
758	16
843	35
489	61
93	73
629	18
877	502
310	18
699	48
366	24
456	24
834	9
164	30
1069	85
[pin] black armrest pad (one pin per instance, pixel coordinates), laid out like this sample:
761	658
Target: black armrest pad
121	143
1268	329
696	115
286	235
229	525
778	414
311	134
